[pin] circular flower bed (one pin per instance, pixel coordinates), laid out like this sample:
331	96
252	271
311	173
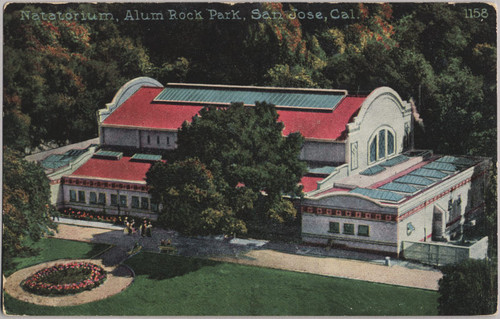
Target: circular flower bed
65	279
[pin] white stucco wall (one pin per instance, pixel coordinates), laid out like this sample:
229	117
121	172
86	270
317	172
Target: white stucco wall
109	209
115	136
382	235
451	188
382	109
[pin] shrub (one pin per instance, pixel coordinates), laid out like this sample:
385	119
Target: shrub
468	288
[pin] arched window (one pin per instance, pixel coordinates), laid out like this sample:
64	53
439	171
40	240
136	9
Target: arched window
381	145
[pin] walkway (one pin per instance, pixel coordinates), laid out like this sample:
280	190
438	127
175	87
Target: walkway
88	223
302	258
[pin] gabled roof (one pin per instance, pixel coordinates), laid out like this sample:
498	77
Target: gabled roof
142	111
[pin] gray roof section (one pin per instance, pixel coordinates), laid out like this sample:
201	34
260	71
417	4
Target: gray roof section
373	170
109	154
456	160
327	170
297	98
399	187
441	166
395	161
425	172
146	157
412	179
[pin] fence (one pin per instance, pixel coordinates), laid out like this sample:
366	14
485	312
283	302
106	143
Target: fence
439	254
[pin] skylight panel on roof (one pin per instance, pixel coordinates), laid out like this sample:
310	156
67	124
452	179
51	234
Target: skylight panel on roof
146	157
441	166
55	161
399	187
456	160
429	173
395	161
303	98
373	170
322	170
378	194
108	155
416	180
75	152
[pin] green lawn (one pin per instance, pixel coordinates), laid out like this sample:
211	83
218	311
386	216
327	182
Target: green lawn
173	285
53	249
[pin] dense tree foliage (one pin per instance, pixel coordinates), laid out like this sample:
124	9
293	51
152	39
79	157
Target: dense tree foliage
190	200
252	166
25	203
468	288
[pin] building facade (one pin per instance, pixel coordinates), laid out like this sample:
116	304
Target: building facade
366	188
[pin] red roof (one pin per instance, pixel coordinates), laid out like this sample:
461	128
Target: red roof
321	125
122	169
140	111
310	183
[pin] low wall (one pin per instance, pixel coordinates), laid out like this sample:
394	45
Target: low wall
439	254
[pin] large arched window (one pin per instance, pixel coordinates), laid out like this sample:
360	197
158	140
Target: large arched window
381	145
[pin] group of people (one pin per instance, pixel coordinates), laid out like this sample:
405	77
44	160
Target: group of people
145	229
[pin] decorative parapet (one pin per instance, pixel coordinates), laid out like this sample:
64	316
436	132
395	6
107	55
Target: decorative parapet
379	93
125	92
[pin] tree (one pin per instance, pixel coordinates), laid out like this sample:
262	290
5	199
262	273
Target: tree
26	205
490	221
468	288
59	73
252	164
190	201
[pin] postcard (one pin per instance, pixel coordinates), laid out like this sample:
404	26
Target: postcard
249	159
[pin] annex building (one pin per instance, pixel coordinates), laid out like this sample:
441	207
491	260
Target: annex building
366	188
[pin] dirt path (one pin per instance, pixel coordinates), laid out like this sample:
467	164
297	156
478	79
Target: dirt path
119	278
78	233
352	269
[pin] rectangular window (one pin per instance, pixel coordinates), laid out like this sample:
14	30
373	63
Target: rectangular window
158	139
123	200
334	228
390	143
149	139
72	195
168	140
154	207
102	198
114	200
373	150
363	230
144	202
381	144
354	155
81	196
135	202
93	198
349	229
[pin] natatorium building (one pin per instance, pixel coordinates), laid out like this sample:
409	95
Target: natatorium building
366	187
